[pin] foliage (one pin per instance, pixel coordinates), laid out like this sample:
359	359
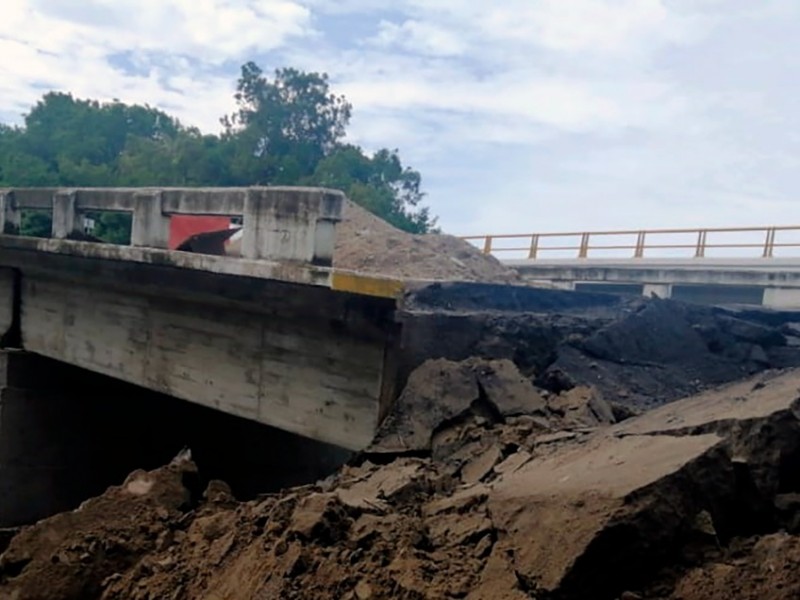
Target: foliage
35	223
379	183
287	130
284	127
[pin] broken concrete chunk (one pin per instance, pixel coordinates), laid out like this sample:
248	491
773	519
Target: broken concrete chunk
460	501
320	517
554	438
630	484
506	388
562	510
456	529
441	391
382	486
436	392
480	466
497	581
582	407
513	462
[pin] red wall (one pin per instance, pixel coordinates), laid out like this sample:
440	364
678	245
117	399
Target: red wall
182	227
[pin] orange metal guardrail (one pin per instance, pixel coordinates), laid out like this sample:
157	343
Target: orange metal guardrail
535	245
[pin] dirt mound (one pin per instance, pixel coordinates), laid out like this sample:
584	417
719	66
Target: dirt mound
686	501
367	244
751	569
79	553
544	454
640	352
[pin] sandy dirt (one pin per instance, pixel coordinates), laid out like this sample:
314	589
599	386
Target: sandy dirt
368	244
507	501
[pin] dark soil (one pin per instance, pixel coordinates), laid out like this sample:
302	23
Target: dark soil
639	352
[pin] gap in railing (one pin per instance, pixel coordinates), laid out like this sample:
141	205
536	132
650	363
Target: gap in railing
111	227
36	223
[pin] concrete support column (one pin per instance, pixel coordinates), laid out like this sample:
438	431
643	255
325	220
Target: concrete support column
662	290
782	298
291	224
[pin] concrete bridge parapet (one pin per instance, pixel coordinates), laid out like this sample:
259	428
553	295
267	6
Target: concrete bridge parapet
279	223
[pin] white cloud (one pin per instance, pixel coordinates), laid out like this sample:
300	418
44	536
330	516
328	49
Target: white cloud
532	114
210	30
419	37
175	45
580	25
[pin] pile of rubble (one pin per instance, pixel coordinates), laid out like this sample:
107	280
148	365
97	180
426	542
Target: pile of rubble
575	475
479	485
368	244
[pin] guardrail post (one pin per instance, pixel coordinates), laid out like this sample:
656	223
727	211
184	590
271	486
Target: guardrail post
700	250
65	217
150	228
769	243
10	216
487	245
534	246
291	224
583	252
640	241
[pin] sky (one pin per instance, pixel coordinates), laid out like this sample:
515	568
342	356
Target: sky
521	115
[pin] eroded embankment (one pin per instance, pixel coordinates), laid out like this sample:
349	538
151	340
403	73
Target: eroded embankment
536	468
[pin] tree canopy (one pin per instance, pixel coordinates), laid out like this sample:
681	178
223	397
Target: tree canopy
286	130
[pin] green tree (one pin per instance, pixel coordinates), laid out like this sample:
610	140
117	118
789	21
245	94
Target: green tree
379	183
282	128
19	167
287	130
61	129
36	223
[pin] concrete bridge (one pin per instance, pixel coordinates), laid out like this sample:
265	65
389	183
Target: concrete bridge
275	336
729	266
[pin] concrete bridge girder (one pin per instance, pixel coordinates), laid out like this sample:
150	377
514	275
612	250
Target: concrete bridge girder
307	360
769	282
275	336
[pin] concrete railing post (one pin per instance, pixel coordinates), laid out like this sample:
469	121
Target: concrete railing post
10	216
150	227
291	224
324	240
65	216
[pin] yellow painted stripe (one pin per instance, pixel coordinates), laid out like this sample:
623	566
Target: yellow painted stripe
366	285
